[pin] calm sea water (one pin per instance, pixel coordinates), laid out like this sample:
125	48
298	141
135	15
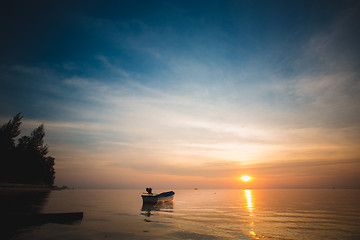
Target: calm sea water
202	214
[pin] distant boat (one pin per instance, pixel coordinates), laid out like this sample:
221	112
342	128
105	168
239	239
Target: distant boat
154	198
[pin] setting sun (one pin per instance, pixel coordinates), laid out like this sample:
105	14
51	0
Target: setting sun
245	178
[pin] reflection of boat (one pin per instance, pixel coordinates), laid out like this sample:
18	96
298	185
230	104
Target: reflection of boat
154	198
164	206
159	206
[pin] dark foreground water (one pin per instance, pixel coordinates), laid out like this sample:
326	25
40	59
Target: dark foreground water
196	214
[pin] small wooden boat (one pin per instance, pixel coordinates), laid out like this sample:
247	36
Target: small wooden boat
154	198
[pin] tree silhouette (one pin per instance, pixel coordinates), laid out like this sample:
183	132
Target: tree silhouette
27	162
8	133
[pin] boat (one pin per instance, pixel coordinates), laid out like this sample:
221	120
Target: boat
154	198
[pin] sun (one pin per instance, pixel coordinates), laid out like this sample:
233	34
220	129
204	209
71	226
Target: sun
245	178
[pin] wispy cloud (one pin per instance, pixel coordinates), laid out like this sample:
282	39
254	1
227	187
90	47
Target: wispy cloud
214	99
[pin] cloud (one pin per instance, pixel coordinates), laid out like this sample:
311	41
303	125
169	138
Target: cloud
201	102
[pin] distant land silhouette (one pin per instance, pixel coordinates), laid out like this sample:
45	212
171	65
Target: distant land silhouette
27	161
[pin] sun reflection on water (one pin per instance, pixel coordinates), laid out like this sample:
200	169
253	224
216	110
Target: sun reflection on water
249	202
250	207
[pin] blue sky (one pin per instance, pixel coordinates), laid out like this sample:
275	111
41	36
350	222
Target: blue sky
198	92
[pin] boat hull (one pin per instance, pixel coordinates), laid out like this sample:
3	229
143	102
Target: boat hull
166	196
149	199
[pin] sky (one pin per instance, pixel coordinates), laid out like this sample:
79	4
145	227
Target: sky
187	94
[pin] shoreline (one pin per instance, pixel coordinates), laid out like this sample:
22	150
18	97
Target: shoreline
29	187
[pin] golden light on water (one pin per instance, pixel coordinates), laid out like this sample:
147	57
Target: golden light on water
245	178
250	207
248	198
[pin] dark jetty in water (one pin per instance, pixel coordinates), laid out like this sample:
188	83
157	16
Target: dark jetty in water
21	207
42	218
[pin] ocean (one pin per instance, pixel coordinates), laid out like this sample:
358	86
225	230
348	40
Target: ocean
209	214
